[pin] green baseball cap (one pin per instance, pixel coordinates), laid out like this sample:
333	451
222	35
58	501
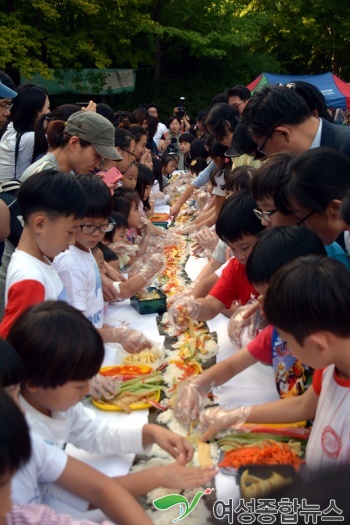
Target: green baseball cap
97	130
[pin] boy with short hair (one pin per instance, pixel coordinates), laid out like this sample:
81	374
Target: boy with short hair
308	300
52	204
274	248
80	274
238	227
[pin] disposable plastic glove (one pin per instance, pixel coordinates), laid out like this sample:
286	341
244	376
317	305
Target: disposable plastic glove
182	309
181	293
238	325
207	239
123	248
191	398
150	268
216	419
185	229
133	341
104	388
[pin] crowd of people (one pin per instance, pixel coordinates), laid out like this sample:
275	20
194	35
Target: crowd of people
265	180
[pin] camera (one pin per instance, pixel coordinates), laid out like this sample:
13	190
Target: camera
181	109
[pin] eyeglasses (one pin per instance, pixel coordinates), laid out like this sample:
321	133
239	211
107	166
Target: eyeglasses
261	149
91	228
127	151
8	107
303	219
237	104
266	215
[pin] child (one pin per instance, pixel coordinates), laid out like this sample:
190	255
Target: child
41	464
116	239
169	165
79	272
59	360
240	179
52	204
196	166
34	481
267	187
218	176
109	256
185	146
318	181
308	302
274	248
127	203
238	227
144	184
129	179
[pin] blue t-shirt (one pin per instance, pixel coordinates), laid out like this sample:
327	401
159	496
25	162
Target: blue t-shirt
335	251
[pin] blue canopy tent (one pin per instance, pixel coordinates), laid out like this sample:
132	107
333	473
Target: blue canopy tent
335	91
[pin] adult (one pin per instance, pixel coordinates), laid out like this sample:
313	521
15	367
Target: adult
142	154
7	93
161	128
238	97
125	144
17	142
313	98
279	119
169	143
78	145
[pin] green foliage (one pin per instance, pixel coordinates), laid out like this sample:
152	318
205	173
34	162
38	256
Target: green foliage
196	48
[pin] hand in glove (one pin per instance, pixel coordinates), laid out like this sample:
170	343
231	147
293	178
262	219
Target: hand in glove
191	398
238	323
181	310
104	388
133	341
216	419
150	268
121	248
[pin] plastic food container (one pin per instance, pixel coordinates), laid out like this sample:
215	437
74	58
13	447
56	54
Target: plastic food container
149	306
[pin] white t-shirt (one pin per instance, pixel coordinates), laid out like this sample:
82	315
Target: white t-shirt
161	129
81	427
329	443
7	153
46	464
24	267
29	281
81	278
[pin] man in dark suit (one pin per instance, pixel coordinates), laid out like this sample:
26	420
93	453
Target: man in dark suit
278	119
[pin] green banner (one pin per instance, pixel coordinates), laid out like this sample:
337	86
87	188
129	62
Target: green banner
87	81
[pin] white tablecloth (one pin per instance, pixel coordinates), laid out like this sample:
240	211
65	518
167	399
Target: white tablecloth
254	385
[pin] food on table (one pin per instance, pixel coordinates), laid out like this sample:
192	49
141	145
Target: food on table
267	452
146	357
147	296
204	455
257	487
129	389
